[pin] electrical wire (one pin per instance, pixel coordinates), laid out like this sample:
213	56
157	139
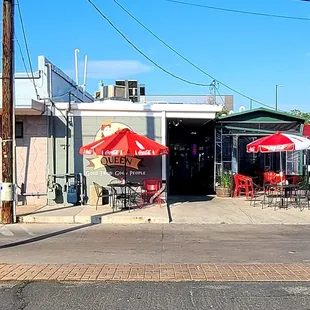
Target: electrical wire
22	57
216	89
239	11
186	59
27	48
141	52
65	94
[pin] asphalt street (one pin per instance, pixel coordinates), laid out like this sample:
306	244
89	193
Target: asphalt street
159	296
152	243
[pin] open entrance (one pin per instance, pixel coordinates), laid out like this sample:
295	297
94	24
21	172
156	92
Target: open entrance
191	160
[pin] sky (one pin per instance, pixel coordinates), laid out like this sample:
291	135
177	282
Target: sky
248	53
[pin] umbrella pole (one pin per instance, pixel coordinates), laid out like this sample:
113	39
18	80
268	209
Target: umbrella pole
281	178
281	168
307	173
125	178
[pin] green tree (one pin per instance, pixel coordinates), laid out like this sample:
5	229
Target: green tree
305	115
224	112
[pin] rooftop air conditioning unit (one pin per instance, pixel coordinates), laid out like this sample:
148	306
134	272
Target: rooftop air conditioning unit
119	92
112	91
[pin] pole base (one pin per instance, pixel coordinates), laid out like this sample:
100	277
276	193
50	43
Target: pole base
7	212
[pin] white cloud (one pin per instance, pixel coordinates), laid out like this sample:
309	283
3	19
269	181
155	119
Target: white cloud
113	69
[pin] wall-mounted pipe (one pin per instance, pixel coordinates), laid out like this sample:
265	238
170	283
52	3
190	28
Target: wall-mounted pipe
67	136
52	119
34	194
62	176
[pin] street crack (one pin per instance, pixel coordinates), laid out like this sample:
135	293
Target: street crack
20	302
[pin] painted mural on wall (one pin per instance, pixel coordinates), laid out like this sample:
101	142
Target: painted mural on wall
114	165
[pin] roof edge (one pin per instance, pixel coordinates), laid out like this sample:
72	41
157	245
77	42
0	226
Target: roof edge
283	113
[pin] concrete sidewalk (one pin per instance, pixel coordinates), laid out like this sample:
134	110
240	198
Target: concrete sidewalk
207	210
157	273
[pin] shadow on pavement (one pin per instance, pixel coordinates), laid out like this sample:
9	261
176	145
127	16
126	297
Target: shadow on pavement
45	236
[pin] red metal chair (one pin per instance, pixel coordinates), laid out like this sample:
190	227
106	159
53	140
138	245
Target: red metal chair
270	178
273	178
151	187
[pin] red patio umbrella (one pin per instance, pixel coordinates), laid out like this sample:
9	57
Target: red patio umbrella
124	143
278	142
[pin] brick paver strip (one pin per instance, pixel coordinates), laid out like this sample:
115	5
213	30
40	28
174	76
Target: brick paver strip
156	272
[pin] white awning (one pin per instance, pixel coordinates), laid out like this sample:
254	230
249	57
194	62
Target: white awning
28	107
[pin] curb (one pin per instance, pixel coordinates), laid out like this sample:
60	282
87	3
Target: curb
94	219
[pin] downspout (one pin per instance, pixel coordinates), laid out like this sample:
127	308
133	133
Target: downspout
67	137
52	121
15	200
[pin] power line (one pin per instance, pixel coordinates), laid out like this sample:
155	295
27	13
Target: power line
239	11
22	56
27	48
216	89
185	58
142	53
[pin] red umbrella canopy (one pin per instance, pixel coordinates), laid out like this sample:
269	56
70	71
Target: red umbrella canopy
124	142
278	142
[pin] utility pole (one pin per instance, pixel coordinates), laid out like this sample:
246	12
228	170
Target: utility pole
7	192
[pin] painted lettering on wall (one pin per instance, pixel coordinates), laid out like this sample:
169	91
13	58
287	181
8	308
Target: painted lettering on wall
116	173
100	162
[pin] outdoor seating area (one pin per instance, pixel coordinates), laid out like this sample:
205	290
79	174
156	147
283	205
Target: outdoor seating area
130	195
273	190
270	188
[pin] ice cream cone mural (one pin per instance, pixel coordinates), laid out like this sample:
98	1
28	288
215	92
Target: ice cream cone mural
106	129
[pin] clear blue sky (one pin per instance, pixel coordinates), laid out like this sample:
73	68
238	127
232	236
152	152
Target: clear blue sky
249	53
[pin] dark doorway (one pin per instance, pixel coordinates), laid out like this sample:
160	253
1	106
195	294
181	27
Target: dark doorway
191	160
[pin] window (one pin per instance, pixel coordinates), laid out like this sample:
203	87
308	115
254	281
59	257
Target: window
19	130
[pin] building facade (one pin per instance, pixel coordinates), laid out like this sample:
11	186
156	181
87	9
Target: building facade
89	123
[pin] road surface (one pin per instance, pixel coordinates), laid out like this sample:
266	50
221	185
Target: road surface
152	243
159	296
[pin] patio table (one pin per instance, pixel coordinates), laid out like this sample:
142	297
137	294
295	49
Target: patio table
128	193
285	192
